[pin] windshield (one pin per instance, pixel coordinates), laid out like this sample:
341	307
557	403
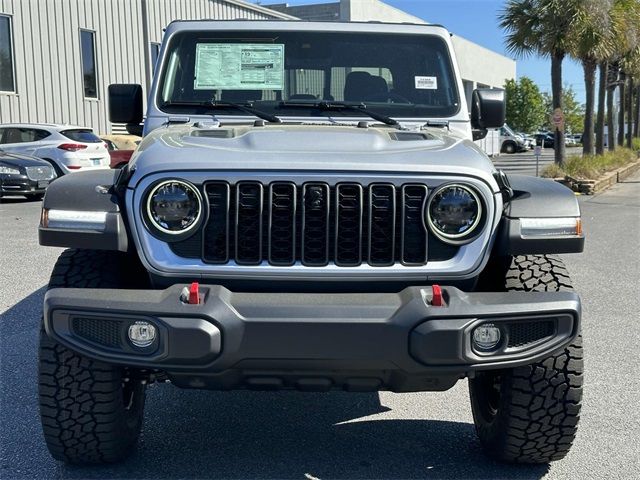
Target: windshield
407	76
84	136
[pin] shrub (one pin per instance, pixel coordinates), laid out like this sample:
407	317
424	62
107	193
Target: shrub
636	144
590	167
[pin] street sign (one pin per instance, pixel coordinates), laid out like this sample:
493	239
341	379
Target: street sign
557	118
537	152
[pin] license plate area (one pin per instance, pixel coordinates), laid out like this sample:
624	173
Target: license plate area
96	162
43	183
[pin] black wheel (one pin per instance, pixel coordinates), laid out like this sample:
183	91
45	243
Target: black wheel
35	196
91	411
530	414
509	147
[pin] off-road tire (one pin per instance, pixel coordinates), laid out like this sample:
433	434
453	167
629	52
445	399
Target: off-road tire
91	411
530	414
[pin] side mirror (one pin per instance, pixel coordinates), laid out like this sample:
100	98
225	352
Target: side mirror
488	109
125	103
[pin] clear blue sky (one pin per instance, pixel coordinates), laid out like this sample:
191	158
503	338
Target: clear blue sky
477	21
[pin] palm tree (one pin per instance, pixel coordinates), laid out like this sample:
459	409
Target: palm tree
623	34
540	27
593	43
626	27
602	93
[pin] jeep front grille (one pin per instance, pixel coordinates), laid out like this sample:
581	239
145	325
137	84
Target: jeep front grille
314	224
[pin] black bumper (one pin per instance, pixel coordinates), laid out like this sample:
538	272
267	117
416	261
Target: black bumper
22	185
394	341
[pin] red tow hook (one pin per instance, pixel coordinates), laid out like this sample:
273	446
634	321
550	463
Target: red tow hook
194	294
436	296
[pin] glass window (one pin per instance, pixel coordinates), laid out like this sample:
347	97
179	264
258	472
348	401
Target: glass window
23	135
7	79
89	71
84	136
155	52
399	75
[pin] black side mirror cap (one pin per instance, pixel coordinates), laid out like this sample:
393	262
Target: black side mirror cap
488	108
125	103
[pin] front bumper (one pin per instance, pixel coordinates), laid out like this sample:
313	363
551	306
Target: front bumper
395	341
22	185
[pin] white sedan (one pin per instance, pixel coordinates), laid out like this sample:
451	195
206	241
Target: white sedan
68	148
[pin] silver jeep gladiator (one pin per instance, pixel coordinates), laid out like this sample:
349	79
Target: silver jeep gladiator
308	211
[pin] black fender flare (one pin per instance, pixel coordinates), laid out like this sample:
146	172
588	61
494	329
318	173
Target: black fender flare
537	198
89	191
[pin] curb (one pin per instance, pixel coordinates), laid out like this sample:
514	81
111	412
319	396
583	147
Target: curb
591	187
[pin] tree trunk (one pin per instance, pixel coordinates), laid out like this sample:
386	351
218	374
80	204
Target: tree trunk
602	96
589	67
556	92
630	113
612	76
621	109
637	117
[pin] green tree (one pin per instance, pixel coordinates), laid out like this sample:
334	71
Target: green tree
574	111
525	105
541	27
593	43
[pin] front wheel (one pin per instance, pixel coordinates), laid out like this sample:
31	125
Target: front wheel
91	411
530	414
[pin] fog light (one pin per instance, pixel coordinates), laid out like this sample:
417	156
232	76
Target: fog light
142	334
486	337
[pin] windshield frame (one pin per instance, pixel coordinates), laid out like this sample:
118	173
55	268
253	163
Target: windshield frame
414	112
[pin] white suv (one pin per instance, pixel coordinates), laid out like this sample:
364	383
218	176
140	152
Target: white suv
68	148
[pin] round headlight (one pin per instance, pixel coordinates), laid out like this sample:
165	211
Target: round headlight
454	213
174	207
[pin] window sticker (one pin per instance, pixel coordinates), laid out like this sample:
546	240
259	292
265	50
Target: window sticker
242	66
426	83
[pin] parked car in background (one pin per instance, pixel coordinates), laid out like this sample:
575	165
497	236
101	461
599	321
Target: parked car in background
120	148
547	140
67	148
24	175
528	140
510	142
569	141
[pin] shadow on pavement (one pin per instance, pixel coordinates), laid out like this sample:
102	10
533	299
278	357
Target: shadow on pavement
277	435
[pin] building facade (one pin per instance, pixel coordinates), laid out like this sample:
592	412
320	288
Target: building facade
491	72
57	57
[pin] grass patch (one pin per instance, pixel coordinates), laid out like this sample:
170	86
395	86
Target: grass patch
636	144
591	167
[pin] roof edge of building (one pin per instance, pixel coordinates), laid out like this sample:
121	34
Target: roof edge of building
261	9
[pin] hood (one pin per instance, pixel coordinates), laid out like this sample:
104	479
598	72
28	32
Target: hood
13	160
334	148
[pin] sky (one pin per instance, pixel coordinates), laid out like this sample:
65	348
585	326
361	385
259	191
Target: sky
476	20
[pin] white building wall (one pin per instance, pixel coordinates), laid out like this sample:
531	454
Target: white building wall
374	10
46	51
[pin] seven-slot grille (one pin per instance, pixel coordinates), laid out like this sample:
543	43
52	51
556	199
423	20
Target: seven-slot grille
315	224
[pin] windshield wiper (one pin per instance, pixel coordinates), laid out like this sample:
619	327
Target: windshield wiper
354	107
214	104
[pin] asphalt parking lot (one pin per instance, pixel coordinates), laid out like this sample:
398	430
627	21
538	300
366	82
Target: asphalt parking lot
525	162
194	434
